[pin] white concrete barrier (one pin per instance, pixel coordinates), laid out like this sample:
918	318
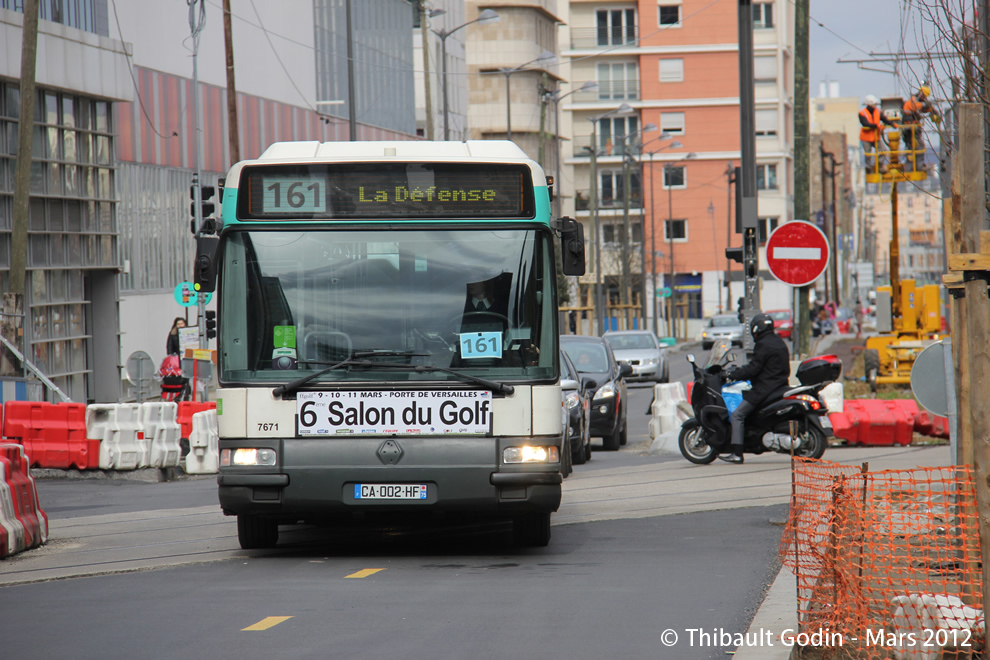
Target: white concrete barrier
204	444
665	444
162	430
666	412
116	426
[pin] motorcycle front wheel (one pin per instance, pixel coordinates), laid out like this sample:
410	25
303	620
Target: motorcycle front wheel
694	446
813	443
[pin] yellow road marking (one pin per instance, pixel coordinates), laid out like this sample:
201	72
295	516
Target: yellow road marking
268	622
365	572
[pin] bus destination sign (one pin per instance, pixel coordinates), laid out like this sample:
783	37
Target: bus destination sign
386	190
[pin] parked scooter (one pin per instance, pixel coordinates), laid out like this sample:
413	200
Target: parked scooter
769	428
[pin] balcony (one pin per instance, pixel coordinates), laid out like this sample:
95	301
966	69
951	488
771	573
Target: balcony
606	147
604	37
608	202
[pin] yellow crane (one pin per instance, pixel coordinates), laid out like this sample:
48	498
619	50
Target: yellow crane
909	317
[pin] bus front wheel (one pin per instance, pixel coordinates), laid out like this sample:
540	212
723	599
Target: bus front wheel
255	532
532	530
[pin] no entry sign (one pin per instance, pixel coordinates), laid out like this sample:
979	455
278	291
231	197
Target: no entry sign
797	253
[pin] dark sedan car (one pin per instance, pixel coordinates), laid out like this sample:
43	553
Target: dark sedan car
594	359
576	392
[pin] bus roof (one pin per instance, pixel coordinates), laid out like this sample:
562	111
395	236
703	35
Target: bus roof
410	150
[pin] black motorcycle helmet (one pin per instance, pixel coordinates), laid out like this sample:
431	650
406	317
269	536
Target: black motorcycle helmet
760	325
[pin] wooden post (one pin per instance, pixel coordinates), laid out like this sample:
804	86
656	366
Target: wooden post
966	239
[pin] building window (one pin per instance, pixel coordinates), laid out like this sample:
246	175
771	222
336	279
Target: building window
766	176
765	69
766	122
669	15
612	192
672	123
615	233
616	27
671	70
674	176
675	230
618	81
762	15
765	228
612	131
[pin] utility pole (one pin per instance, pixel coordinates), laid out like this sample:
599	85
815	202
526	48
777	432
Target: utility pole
197	21
823	155
233	131
424	28
969	258
351	111
747	131
12	321
802	169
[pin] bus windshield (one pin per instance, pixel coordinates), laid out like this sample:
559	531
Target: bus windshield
476	301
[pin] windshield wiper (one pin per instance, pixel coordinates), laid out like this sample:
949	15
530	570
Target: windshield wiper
291	387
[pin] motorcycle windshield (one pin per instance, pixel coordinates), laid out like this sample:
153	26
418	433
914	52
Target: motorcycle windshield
719	349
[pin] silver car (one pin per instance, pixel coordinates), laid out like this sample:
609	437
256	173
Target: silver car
722	326
644	353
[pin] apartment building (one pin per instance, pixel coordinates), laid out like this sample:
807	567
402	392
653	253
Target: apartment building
115	141
673	65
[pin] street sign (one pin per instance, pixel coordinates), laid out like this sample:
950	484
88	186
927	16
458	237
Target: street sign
797	253
663	292
187	296
929	381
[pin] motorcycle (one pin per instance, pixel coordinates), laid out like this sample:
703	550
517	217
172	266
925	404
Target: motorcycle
798	422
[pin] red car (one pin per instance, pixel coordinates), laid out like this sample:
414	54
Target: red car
783	322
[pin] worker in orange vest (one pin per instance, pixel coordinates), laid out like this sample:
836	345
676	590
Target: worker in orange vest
871	120
911	116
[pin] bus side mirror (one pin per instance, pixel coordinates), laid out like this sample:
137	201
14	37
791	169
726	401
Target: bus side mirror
206	267
571	246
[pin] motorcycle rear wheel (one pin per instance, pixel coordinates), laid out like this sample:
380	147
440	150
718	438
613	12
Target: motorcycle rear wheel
694	447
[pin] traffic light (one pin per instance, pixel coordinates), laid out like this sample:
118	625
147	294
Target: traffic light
211	324
206	193
735	254
207	207
740	304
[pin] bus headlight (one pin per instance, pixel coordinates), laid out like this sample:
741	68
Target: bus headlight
572	400
247	456
530	455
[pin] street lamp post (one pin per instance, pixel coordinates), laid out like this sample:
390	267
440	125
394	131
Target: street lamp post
653	230
556	97
626	195
670	240
484	18
544	58
593	212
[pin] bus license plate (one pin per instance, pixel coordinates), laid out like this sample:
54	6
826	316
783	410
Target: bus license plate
390	491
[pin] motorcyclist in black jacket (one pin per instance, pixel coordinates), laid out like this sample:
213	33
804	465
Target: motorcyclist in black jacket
768	372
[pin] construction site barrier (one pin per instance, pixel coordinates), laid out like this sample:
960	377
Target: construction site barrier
116	426
204	444
159	423
186	411
53	434
23	522
888	560
879	422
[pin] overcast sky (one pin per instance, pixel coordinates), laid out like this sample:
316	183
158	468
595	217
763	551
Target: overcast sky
853	28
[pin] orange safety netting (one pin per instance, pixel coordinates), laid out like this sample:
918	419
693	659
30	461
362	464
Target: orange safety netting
887	559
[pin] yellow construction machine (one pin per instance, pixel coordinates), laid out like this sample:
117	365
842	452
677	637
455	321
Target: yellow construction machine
909	317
